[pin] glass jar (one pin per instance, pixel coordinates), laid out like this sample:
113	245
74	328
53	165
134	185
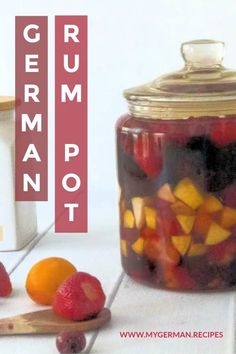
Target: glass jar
18	222
177	175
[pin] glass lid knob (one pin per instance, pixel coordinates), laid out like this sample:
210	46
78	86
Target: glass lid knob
203	54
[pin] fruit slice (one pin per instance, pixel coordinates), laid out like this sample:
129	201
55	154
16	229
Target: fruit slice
188	193
202	224
151	217
137	246
186	222
147	154
123	247
128	219
211	205
5	283
180	208
166	193
138	205
216	234
197	249
228	217
181	243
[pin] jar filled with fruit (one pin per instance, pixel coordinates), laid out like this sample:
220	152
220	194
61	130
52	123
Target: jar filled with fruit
177	175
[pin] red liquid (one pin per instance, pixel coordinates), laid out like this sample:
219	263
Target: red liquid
178	201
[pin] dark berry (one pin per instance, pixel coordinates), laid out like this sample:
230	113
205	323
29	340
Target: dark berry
201	143
220	162
229	196
182	162
232	275
228	273
222	168
200	270
70	342
127	164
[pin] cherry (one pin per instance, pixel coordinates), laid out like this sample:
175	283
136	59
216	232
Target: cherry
69	342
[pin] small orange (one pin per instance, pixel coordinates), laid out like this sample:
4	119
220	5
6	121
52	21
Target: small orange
45	277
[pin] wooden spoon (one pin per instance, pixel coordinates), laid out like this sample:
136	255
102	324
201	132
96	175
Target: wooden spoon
45	321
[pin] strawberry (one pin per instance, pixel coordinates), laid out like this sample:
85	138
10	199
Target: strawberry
79	297
148	153
5	283
159	249
177	278
168	224
223	132
152	245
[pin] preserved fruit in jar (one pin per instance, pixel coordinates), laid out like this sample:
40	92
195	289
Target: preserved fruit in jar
176	153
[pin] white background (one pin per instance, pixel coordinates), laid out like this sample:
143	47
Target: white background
130	42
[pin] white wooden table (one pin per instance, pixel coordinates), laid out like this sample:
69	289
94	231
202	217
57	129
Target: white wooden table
134	307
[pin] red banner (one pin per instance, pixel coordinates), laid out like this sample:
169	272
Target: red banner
71	124
31	126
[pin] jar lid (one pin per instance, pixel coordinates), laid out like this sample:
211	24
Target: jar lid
7	103
203	87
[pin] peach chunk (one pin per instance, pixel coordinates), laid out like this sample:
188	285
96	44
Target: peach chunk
181	243
129	219
123	247
166	193
216	234
211	204
151	217
138	205
186	222
137	246
228	217
188	193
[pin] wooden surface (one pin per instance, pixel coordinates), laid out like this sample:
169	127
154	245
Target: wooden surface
47	322
134	307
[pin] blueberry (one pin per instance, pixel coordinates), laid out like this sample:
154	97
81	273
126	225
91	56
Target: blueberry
69	342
